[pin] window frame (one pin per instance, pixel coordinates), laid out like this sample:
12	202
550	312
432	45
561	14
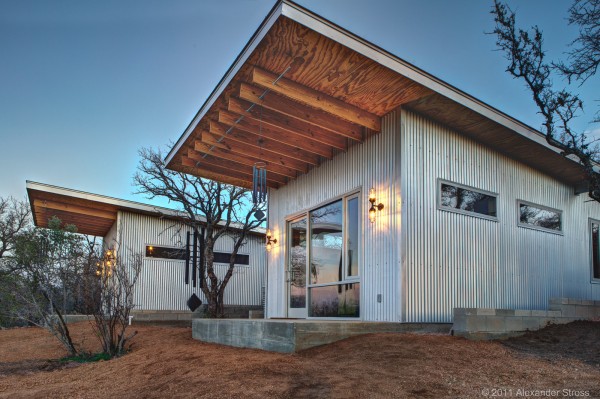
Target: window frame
591	221
462	211
162	246
354	193
539	228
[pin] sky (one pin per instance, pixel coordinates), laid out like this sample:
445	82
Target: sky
85	84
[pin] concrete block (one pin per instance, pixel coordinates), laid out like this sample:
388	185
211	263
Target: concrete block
532	323
505	312
539	313
495	323
522	312
554	313
568	310
582	311
459	312
587	302
574	301
460	323
469	311
514	324
486	312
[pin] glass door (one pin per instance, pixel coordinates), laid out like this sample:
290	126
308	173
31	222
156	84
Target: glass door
296	268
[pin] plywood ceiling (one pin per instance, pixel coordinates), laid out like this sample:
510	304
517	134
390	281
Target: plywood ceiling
301	96
326	97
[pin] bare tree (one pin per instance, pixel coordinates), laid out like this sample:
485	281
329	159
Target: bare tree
585	54
525	52
44	257
15	219
220	209
117	279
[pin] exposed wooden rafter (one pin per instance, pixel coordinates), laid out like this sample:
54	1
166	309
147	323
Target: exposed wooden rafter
219	165
189	166
59	206
282	104
244	159
316	99
297	139
276	119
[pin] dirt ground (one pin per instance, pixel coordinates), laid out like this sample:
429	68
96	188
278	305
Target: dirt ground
167	362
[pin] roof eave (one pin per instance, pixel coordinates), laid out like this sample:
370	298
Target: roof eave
254	41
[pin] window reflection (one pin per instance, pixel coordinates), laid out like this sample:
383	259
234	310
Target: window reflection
340	300
298	264
326	244
352	236
467	200
539	217
595	251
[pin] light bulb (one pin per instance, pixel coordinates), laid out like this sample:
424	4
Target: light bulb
269	246
372	195
372	214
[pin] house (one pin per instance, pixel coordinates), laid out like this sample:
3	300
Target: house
393	196
167	280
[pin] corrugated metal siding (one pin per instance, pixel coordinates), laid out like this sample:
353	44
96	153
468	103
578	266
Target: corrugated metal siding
452	260
161	285
370	164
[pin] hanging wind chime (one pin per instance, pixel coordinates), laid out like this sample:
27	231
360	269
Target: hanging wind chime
259	173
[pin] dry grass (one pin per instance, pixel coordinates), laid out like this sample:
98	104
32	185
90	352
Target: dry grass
167	362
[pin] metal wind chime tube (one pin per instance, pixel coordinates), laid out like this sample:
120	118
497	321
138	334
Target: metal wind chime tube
259	183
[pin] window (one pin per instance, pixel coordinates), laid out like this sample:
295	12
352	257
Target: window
153	251
333	241
595	248
539	217
467	200
223	257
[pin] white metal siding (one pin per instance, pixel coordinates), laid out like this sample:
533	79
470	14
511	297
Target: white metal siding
453	260
161	284
370	164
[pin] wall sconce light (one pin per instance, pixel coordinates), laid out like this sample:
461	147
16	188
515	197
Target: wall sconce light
105	267
374	208
270	241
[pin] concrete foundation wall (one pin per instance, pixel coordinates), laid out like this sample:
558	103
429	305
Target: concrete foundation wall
289	336
486	323
231	312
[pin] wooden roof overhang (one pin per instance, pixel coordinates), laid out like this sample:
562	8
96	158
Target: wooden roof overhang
304	88
92	214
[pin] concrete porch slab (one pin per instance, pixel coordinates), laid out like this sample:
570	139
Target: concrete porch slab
288	336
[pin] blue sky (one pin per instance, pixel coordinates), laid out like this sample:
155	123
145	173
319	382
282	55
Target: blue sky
85	84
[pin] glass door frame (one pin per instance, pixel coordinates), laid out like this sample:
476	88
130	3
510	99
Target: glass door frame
296	313
305	214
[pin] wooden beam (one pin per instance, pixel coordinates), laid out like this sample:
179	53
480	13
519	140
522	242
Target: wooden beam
188	166
261	142
244	159
260	153
295	109
268	117
219	165
64	207
296	139
316	99
207	137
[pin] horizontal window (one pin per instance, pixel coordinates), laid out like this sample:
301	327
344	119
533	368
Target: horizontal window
466	200
531	215
153	251
223	257
595	247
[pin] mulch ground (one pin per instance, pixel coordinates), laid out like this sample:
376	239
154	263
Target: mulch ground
167	362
